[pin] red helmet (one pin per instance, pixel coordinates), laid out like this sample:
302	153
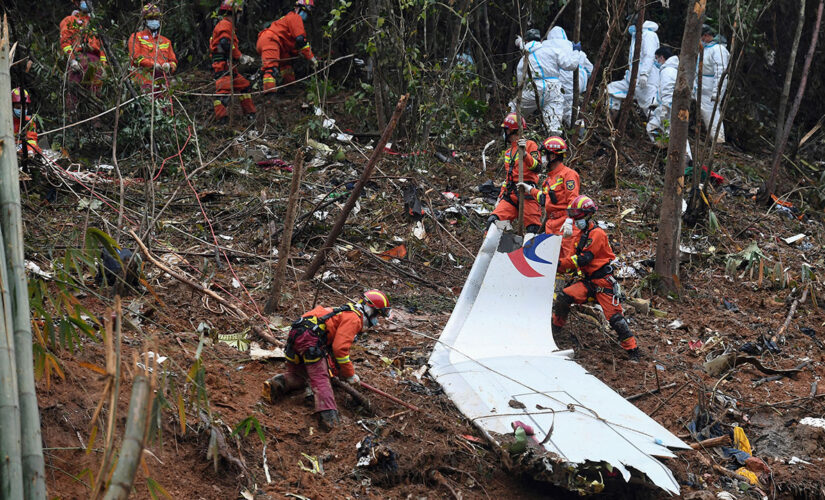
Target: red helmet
555	144
230	5
378	300
15	95
582	206
511	122
150	11
305	4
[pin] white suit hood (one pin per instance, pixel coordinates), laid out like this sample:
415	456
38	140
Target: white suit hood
557	33
650	26
672	62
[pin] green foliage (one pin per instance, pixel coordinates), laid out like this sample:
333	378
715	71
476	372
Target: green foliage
247	425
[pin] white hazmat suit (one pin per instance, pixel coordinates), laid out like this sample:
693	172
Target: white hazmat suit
647	79
545	64
660	119
715	60
558	38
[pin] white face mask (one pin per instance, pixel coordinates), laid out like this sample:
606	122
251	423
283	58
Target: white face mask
581	223
153	24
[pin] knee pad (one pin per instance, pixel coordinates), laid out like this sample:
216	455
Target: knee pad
491	220
619	324
533	228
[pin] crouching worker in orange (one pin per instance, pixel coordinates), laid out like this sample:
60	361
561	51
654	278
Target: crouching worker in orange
150	53
560	187
591	260
225	60
321	333
508	198
281	42
26	139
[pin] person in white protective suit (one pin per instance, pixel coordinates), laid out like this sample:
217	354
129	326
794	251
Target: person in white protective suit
558	38
545	63
668	66
647	79
714	63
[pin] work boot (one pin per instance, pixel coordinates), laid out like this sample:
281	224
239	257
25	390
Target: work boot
634	355
328	419
274	389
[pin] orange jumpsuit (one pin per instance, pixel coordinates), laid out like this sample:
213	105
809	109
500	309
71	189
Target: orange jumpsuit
306	358
79	41
146	50
507	206
30	133
279	43
224	82
592	257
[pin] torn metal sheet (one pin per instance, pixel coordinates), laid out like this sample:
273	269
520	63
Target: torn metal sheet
498	347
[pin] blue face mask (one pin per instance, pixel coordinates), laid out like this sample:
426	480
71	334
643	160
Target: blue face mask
17	112
373	320
631	29
581	223
304	14
153	24
657	64
84	6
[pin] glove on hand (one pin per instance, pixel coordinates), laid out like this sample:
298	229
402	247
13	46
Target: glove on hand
75	66
245	59
524	186
354	380
642	81
522	143
577	46
158	68
314	62
713	98
567	228
519	42
166	67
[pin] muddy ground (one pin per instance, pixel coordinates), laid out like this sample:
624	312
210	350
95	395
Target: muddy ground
438	453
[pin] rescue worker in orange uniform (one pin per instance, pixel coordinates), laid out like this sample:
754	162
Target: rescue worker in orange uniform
320	334
282	41
27	139
225	56
79	42
508	198
559	188
150	53
591	260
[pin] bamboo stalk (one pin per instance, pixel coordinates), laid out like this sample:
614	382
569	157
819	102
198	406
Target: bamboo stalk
133	440
34	477
286	236
11	468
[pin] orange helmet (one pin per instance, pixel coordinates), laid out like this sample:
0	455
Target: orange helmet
15	95
378	300
555	144
582	206
230	5
150	11
511	122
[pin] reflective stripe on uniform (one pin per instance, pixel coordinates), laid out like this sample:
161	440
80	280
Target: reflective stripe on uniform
343	360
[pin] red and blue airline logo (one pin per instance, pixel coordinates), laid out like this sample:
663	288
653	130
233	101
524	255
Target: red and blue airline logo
522	257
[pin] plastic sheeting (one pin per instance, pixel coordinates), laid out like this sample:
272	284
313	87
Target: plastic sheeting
498	347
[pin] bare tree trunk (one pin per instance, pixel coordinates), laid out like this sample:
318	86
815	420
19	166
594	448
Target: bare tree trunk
768	188
577	31
602	51
786	88
670	215
377	83
356	191
286	235
627	104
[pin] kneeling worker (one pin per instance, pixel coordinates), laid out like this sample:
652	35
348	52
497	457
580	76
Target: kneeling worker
319	333
592	261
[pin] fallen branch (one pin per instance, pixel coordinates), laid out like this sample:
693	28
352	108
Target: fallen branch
360	398
388	396
677	391
654	391
781	376
218	447
790	314
710	443
440	479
